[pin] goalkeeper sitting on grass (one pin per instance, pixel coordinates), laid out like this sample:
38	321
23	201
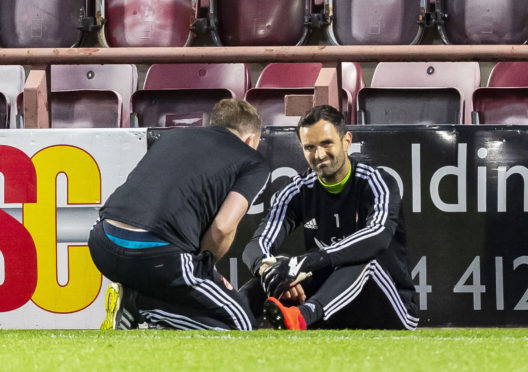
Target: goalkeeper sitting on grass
355	273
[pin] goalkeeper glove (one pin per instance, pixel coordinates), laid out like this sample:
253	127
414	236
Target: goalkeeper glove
285	272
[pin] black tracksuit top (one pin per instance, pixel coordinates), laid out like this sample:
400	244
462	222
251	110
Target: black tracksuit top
361	223
178	187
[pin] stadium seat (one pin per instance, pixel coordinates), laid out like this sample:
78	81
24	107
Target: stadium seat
233	76
464	76
4	111
91	108
40	23
165	102
269	102
280	79
509	74
85	109
409	106
288	75
114	78
12	80
304	75
501	106
181	107
483	21
375	22
250	22
505	99
19	120
147	23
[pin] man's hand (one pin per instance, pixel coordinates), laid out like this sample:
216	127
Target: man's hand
282	274
295	294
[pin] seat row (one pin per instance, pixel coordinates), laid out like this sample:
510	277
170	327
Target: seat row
184	94
149	23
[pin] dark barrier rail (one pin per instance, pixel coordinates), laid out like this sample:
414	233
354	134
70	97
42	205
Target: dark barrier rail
465	200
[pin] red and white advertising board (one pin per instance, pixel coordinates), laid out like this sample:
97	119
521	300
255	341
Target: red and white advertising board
52	184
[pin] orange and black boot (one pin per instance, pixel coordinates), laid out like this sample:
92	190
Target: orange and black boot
282	317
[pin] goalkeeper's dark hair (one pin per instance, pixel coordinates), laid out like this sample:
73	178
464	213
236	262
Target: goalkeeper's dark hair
323	112
237	115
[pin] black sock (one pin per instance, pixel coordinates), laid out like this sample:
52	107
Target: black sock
312	312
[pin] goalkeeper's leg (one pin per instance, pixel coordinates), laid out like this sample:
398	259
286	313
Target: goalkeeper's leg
359	296
356	296
254	296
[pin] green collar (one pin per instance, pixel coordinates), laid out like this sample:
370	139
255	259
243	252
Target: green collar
337	187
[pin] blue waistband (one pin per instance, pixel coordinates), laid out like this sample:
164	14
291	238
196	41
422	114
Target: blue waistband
132	239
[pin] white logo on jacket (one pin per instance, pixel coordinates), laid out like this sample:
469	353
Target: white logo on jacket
312	224
333	240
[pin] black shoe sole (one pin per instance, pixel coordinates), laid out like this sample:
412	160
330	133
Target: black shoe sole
273	315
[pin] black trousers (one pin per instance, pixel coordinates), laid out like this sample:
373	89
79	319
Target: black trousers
176	289
352	297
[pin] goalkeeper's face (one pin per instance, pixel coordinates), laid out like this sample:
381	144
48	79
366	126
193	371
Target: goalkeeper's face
325	150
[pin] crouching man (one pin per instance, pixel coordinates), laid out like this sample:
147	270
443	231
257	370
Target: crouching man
162	231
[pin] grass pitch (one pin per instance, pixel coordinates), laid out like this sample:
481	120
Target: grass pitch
266	350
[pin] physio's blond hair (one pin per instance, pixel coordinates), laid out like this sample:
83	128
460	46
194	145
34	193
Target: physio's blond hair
236	114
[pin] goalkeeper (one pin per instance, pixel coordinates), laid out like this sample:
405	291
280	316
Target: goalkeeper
355	271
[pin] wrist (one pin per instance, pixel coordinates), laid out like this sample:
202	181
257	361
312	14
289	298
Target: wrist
261	269
316	260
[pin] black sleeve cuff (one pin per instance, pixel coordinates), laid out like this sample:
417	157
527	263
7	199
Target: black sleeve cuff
316	261
255	268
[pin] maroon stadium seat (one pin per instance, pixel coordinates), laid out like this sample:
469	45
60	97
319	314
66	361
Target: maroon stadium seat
505	100
464	76
40	23
181	107
375	22
12	80
258	22
148	23
289	75
303	76
409	106
269	102
233	76
509	74
184	94
501	106
85	109
115	78
483	21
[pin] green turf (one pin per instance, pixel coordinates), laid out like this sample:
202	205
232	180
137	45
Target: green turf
142	350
